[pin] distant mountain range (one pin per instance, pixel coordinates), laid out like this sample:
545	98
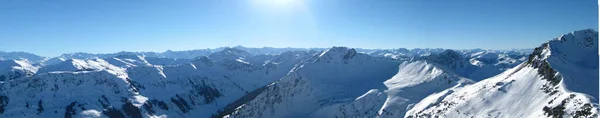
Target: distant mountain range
190	54
557	79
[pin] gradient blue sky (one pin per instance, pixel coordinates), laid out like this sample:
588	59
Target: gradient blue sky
53	27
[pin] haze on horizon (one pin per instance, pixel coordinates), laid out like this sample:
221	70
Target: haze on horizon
51	28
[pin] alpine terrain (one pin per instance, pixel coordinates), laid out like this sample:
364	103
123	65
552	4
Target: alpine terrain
557	79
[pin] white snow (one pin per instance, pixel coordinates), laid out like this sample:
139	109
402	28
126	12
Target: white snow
523	91
296	82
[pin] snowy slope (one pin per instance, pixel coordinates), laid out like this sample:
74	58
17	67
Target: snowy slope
127	85
230	54
558	80
299	82
490	63
206	85
11	69
336	75
342	83
475	64
75	65
43	95
127	61
413	81
122	60
32	58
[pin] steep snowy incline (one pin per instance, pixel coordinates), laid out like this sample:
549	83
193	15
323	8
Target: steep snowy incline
86	93
134	88
414	81
75	65
490	63
204	87
575	57
127	60
337	75
11	69
559	79
476	64
342	83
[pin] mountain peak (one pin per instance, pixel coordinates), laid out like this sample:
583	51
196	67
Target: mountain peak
239	47
548	84
76	65
236	51
450	53
574	54
574	45
20	56
10	69
448	56
129	55
229	53
581	38
204	60
337	53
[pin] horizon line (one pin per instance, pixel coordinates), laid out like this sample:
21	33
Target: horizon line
240	46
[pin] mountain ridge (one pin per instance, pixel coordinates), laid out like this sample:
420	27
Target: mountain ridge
294	82
542	86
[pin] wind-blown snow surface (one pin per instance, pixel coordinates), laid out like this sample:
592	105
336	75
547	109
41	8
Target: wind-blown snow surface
560	79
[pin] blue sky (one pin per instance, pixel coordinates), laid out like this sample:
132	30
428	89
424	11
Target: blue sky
51	27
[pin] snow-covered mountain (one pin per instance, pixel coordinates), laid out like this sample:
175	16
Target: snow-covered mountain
21	56
230	54
559	79
476	64
334	76
179	57
403	53
129	85
556	79
273	51
189	54
11	69
343	83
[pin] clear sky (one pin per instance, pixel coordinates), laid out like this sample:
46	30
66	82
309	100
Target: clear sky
53	27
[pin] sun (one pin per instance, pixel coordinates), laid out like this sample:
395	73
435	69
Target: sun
278	3
281	2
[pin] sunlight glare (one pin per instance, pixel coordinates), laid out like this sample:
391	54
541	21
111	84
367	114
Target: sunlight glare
279	4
